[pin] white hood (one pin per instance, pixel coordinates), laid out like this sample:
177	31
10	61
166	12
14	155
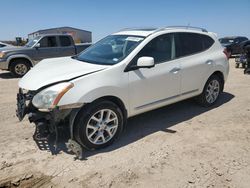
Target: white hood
55	70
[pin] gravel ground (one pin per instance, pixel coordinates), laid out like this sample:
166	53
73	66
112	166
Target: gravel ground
182	145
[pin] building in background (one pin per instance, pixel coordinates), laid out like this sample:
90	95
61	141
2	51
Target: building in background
79	35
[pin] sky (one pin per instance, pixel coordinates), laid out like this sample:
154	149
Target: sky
103	17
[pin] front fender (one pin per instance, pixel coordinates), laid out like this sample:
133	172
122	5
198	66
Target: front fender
11	57
88	97
108	82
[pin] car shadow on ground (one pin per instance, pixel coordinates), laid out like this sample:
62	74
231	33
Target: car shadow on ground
7	75
148	123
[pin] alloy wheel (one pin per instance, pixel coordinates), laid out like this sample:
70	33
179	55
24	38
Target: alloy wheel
212	91
21	69
102	126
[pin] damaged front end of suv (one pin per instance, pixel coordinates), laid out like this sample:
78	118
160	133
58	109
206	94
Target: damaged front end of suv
42	109
49	96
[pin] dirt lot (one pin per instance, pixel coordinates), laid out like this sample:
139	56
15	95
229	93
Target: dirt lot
182	145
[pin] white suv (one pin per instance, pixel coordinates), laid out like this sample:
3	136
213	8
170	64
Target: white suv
127	73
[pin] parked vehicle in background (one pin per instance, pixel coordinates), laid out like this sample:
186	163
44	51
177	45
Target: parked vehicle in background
127	73
19	60
233	44
243	58
4	45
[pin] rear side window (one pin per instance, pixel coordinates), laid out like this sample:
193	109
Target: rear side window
188	43
65	41
192	43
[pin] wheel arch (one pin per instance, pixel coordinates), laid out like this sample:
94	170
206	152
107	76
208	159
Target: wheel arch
114	99
217	73
221	76
12	58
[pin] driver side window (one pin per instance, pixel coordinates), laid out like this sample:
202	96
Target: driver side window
161	48
48	42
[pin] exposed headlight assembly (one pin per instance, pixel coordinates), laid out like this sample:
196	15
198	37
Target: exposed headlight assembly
50	97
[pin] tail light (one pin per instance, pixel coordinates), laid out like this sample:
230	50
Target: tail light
227	53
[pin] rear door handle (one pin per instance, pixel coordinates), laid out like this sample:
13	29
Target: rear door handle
209	62
175	70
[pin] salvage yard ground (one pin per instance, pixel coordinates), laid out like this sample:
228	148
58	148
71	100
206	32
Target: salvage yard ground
182	145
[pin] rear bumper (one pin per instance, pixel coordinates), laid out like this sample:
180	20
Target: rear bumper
4	64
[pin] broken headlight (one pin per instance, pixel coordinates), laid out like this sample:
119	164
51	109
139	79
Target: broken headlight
50	97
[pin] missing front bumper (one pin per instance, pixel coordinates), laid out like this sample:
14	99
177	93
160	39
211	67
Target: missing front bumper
49	122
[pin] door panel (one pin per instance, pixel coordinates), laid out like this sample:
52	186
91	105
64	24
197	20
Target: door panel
151	88
49	52
49	48
66	51
195	61
157	86
193	70
67	47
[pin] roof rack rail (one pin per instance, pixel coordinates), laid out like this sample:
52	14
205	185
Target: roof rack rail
139	28
188	27
184	27
155	30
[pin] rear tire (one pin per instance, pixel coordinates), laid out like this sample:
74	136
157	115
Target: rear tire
211	91
237	65
19	67
98	125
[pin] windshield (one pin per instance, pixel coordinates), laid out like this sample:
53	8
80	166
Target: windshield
32	42
226	40
110	50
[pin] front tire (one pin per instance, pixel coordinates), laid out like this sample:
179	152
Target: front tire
98	125
19	67
211	91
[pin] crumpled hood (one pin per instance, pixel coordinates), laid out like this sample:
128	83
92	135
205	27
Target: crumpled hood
54	70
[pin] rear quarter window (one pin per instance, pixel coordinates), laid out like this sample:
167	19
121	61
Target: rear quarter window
192	43
207	42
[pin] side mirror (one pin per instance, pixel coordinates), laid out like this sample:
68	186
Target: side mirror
142	62
38	45
145	62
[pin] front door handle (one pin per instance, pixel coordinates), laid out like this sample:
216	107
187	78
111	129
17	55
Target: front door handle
175	70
